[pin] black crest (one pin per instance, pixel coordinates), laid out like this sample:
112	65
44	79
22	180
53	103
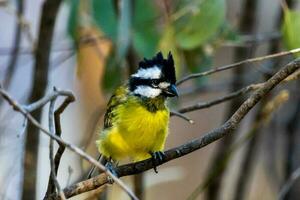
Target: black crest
166	65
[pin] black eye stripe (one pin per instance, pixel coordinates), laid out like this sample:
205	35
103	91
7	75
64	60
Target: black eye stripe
141	81
137	81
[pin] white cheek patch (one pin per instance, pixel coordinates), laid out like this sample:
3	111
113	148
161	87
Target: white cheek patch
149	73
147	91
164	85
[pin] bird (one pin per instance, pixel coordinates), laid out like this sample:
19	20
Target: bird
137	117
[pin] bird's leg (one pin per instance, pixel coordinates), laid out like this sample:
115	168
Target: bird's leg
111	166
157	158
92	171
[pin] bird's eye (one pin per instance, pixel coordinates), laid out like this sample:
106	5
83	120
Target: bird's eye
154	83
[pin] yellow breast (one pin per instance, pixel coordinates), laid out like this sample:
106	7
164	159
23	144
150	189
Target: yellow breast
135	133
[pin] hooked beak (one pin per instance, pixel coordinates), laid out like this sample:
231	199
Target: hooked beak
171	91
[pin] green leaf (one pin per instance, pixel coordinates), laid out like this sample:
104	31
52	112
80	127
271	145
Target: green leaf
105	17
228	33
113	74
201	21
198	60
72	21
145	32
291	29
101	13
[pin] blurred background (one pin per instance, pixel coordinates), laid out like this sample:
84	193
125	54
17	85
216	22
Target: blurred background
96	45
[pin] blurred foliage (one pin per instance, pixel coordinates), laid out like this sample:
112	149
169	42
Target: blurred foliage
167	44
146	35
191	29
200	22
291	29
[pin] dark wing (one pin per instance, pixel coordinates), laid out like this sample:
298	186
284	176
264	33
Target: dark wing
119	97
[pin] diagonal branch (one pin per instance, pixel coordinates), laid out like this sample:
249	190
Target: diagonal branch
198	143
238	64
289	183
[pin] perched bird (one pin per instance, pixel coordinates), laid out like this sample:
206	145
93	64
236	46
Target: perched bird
137	117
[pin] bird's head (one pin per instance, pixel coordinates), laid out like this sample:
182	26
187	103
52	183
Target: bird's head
154	77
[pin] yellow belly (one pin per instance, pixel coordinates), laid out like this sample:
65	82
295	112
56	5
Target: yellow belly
135	133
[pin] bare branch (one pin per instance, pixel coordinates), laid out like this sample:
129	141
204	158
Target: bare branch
287	186
198	143
228	97
245	90
57	114
17	107
182	116
53	182
238	64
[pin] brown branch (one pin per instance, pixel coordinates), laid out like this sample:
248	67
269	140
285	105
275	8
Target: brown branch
40	80
237	64
17	107
57	124
198	143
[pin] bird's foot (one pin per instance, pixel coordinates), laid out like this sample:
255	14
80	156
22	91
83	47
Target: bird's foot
110	167
157	158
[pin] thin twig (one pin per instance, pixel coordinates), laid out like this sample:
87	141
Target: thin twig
289	183
245	90
228	97
198	143
178	114
230	66
57	124
53	180
17	107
